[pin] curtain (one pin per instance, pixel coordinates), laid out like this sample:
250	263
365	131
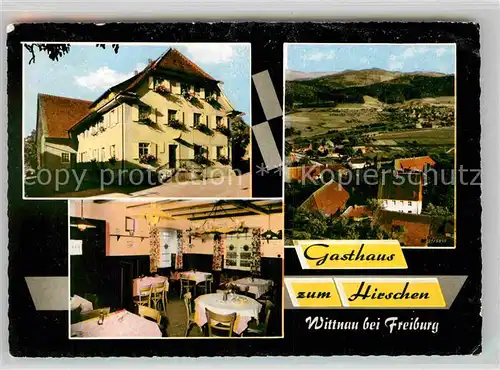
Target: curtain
154	249
218	253
180	249
256	255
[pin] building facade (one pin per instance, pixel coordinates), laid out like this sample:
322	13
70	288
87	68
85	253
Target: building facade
170	115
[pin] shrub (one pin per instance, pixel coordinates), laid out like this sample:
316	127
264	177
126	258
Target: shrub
214	103
200	159
223	160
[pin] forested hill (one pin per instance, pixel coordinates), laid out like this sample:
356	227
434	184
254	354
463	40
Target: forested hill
350	87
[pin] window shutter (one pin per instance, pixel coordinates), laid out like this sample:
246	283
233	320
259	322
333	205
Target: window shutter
135	150
162	147
151	83
135	113
153	147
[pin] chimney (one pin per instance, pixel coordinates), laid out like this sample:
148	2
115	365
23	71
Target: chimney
150	61
136	72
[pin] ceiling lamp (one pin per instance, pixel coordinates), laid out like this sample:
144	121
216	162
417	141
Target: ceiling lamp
81	223
154	215
269	234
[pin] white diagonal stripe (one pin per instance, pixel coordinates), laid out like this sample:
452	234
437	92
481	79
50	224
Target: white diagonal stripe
267	95
267	145
49	293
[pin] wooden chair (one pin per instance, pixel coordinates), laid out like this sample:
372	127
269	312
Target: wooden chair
157	295
150	313
189	313
260	329
144	297
187	285
219	322
206	286
94	313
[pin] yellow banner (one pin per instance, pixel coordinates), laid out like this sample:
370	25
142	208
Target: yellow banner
391	293
365	292
313	292
350	254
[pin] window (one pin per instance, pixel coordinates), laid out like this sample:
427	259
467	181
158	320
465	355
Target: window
172	115
409	211
196	119
219	151
112	151
103	154
94	156
143	149
157	81
218	121
394	202
385	203
144	112
238	252
64	157
197	89
198	150
113	117
409	203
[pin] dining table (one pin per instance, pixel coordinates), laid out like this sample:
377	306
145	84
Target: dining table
246	309
117	324
256	286
196	277
147	281
77	301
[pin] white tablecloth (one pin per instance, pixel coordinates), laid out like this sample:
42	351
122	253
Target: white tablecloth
255	286
117	324
197	276
146	281
246	308
77	301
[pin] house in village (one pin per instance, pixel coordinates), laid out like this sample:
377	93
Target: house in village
357	163
411	230
357	213
329	200
401	192
414	164
172	114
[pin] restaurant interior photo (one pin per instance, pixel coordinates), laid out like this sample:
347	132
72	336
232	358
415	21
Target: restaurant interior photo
176	268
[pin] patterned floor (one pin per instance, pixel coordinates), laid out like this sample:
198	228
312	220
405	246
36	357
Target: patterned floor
176	316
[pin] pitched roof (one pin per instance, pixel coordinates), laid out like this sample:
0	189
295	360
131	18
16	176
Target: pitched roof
413	164
328	199
402	186
299	173
176	61
416	227
59	114
357	212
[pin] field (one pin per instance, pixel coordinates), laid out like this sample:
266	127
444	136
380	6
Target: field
318	121
438	136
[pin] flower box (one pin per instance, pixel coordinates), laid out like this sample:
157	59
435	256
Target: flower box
147	121
214	103
162	90
148	159
224	130
200	159
174	123
205	129
223	160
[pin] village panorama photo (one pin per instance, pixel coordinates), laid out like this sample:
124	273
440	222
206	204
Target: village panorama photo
118	120
370	143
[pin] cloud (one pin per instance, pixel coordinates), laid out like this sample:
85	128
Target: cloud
320	55
395	63
440	51
210	53
105	77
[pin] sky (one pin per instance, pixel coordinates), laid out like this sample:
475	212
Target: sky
402	58
87	71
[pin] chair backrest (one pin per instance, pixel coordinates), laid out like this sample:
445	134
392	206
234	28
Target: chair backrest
187	303
226	322
94	313
150	313
165	285
158	288
268	308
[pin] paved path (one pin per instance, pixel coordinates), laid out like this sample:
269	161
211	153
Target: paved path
224	187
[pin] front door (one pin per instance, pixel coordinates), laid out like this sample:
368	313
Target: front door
172	156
